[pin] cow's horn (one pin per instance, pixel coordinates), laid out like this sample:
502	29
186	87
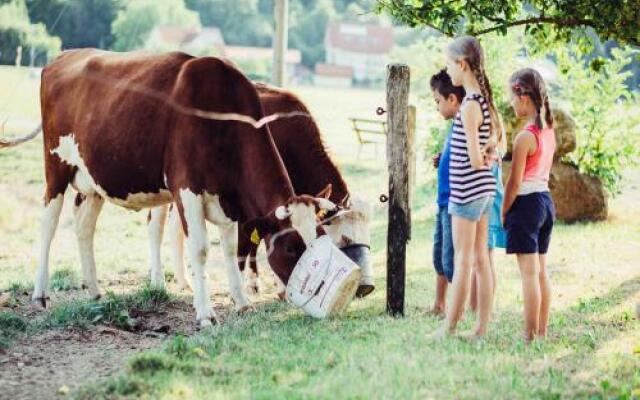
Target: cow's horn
325	204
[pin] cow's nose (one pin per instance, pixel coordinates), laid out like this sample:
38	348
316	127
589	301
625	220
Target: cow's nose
361	255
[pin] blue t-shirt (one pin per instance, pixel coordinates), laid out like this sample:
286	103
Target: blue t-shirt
444	190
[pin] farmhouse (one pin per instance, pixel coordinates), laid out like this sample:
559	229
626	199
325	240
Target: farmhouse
207	41
365	48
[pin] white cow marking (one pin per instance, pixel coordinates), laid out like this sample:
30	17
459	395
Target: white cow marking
84	183
303	219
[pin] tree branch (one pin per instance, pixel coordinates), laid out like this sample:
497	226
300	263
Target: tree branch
483	15
537	20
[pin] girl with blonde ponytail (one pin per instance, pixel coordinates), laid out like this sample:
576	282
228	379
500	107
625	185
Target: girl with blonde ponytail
476	132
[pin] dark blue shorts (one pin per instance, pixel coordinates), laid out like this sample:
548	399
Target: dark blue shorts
529	223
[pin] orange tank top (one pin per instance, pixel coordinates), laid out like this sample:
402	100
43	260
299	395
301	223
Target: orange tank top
538	165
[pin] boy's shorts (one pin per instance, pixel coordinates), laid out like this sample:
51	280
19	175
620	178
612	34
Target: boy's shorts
443	244
529	223
497	236
473	210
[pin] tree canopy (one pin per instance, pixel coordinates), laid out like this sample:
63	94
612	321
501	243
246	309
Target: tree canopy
134	23
84	23
545	20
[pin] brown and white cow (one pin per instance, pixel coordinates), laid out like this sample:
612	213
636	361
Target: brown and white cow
131	128
312	171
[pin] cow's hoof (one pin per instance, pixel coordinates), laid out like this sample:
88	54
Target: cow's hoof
253	289
185	287
246	309
97	296
282	295
41	301
208	322
205	323
364	290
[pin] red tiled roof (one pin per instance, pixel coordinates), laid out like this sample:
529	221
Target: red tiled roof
359	38
334	70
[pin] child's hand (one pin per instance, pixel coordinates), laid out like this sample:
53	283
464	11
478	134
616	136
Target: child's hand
436	160
489	154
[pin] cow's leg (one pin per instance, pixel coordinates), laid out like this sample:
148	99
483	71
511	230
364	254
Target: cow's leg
253	281
191	208
246	255
49	223
229	241
176	241
86	211
157	218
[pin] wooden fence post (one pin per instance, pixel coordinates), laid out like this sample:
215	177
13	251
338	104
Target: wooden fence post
399	225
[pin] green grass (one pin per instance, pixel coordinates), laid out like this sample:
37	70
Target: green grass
11	326
64	279
278	352
113	309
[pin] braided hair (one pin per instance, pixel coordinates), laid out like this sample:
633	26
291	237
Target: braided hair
529	82
468	48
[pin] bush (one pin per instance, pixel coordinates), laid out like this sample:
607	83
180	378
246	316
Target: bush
605	112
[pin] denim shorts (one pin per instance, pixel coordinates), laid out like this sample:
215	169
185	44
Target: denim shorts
443	244
529	223
473	210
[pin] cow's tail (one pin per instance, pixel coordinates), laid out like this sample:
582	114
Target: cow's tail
14	142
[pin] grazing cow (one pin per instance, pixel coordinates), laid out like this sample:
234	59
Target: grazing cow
140	130
311	170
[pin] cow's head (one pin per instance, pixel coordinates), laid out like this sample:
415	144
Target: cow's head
349	230
288	229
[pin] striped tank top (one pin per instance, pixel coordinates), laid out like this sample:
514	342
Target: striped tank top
467	183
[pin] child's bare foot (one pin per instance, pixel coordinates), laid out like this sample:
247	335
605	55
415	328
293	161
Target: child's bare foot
472	337
436	311
527	337
439	334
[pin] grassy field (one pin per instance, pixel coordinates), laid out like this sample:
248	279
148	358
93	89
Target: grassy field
593	350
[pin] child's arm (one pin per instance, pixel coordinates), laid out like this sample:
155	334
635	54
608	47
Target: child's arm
471	119
524	145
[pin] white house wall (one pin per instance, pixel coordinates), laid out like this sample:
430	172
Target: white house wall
365	66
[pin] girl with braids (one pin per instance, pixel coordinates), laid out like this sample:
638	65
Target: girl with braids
476	131
528	210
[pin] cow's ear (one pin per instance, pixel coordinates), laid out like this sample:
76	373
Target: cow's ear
258	228
326	192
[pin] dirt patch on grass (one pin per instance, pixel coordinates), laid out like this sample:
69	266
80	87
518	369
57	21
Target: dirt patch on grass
55	362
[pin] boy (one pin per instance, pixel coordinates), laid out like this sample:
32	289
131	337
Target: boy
448	99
